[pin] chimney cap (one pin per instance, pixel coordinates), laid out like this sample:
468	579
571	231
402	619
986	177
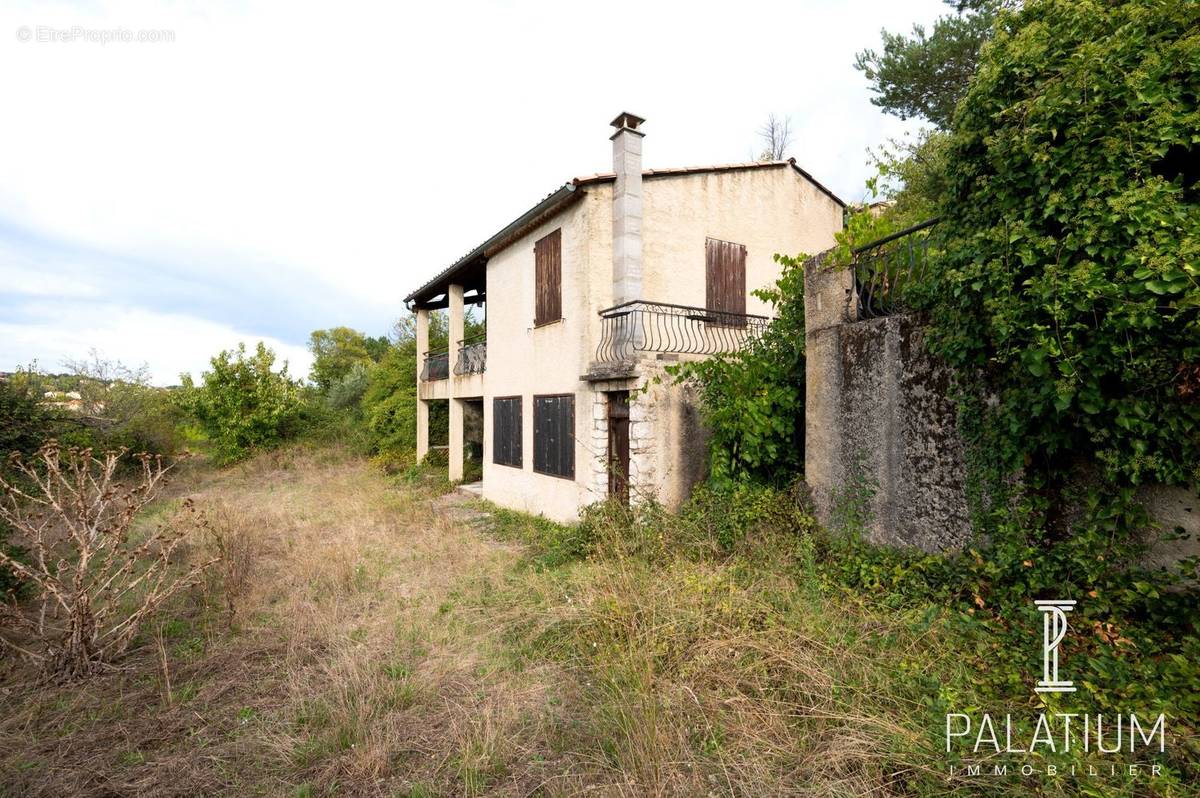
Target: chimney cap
627	120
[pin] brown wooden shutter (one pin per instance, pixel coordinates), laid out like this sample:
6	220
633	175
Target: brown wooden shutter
554	435
506	431
547	257
725	278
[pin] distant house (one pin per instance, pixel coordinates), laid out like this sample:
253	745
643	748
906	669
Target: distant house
588	295
71	401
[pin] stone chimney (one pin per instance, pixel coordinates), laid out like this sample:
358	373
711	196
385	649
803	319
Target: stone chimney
627	208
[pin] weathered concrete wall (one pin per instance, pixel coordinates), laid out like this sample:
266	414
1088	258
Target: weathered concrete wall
882	449
882	444
668	444
1176	512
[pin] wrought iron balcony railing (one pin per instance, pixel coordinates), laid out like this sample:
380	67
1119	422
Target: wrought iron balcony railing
472	355
884	270
639	326
437	366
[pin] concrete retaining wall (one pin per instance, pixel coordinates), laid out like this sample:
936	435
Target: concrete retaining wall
882	447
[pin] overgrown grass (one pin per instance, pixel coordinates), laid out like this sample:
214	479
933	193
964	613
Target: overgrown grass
382	636
737	648
709	657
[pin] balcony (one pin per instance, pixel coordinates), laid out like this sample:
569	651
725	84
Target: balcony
472	355
436	367
886	269
636	327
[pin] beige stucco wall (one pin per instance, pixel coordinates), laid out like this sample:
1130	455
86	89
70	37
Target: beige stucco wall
767	210
523	361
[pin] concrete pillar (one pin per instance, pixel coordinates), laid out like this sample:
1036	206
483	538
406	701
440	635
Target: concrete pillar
455	297
456	440
422	338
422	429
422	406
828	301
627	209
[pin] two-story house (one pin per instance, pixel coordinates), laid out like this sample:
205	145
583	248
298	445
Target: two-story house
588	295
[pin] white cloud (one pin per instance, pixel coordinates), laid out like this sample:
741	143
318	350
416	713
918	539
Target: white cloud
170	344
290	164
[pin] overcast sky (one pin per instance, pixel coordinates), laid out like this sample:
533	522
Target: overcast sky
267	169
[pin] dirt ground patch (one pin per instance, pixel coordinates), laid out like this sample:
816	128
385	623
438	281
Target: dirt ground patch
349	668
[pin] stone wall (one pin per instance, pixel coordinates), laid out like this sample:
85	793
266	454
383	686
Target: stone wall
668	444
882	447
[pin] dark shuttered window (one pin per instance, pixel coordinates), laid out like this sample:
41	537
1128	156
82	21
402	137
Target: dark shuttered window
506	431
725	275
547	258
554	435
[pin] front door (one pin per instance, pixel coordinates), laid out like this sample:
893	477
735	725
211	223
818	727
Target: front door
618	445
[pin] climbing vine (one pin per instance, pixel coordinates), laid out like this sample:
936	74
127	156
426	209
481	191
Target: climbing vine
1068	282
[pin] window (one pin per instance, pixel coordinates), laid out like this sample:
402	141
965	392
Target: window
547	259
506	431
554	435
725	281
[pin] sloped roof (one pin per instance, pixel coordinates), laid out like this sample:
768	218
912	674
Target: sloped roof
603	177
468	270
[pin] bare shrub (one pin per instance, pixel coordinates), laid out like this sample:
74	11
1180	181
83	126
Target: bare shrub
232	538
94	578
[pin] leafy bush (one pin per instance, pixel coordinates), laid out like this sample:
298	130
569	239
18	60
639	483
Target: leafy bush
338	351
24	422
752	400
1069	285
119	408
24	425
243	403
389	404
730	515
346	393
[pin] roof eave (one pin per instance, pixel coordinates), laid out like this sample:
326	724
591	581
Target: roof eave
546	207
655	174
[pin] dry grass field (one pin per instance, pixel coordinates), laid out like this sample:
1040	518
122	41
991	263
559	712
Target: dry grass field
369	635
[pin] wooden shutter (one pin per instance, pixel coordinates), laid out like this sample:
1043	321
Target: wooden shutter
554	435
506	431
725	280
547	257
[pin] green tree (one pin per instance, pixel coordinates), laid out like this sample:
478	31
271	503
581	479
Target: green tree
24	422
390	403
1069	283
911	174
243	403
336	351
926	74
122	409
